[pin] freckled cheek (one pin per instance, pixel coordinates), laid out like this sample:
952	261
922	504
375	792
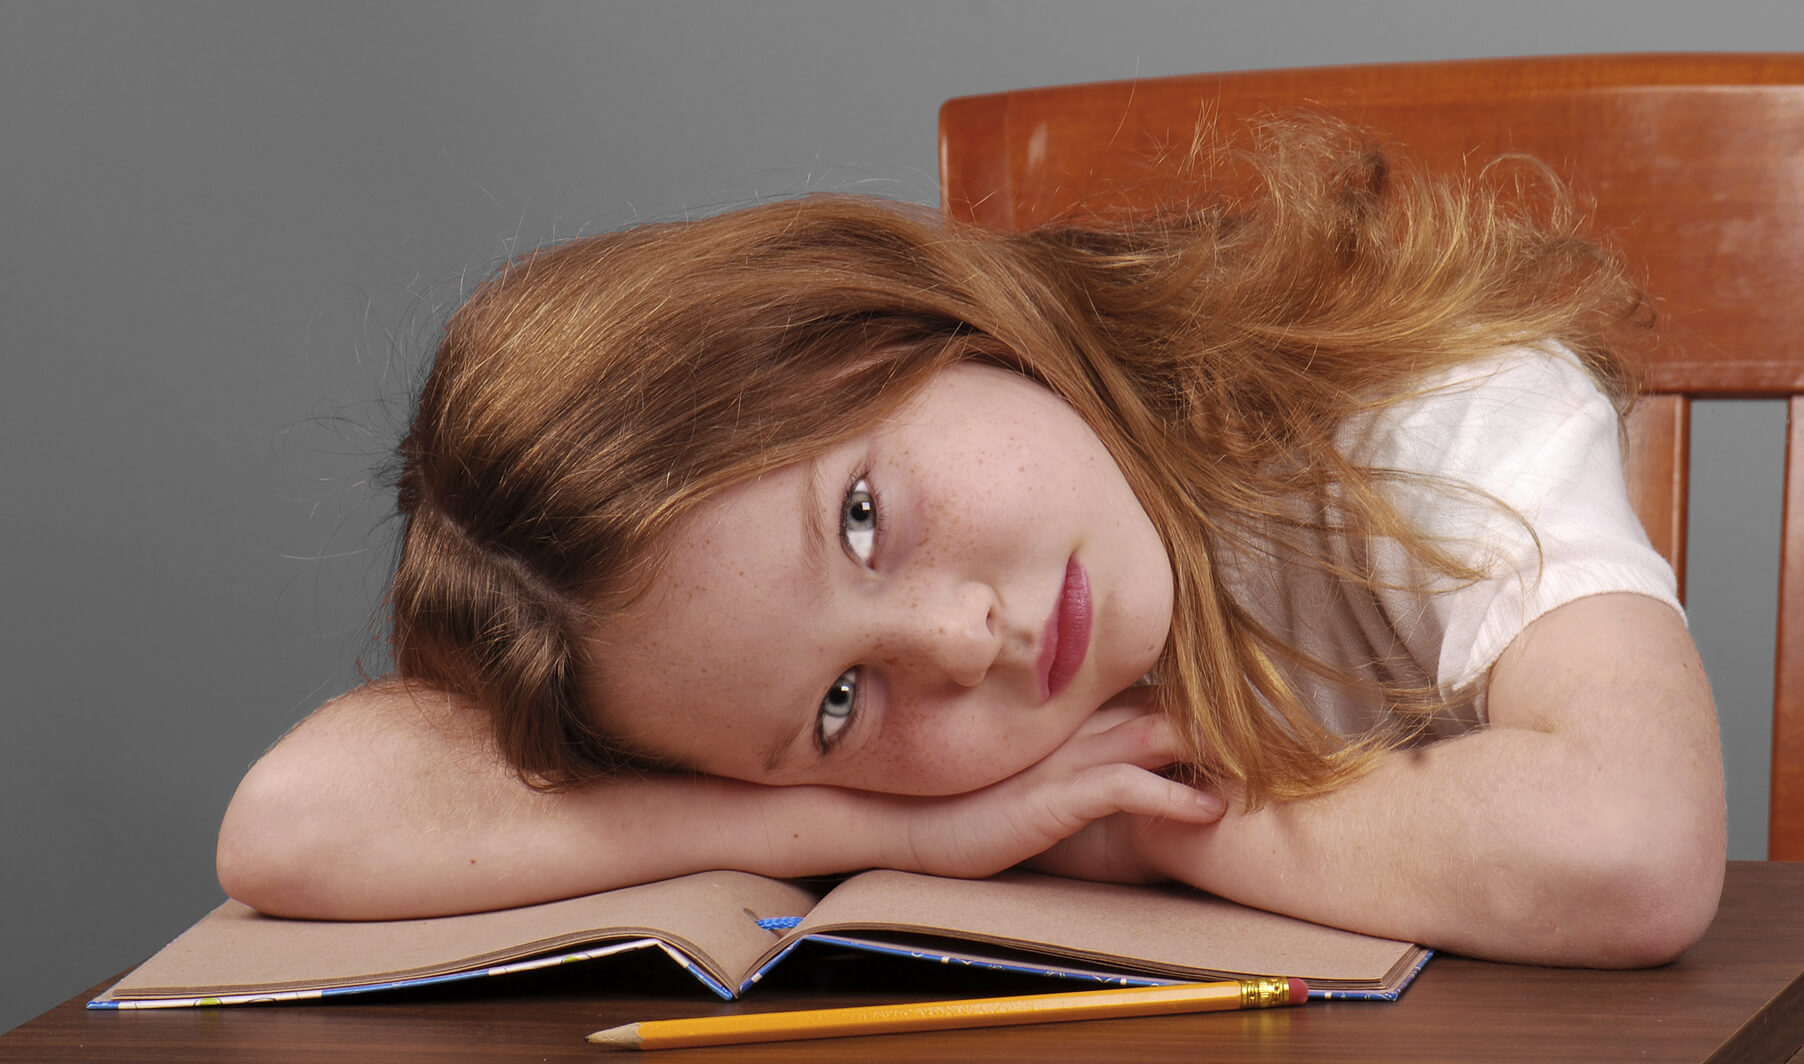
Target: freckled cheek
971	531
932	760
948	515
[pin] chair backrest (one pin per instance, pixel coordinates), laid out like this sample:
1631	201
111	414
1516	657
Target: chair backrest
1696	167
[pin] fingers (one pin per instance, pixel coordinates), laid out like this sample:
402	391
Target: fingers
1003	824
1110	716
1104	790
1137	737
1110	766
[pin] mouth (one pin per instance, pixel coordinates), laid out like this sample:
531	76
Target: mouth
1067	638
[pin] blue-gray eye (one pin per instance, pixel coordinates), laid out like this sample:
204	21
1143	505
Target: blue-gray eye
858	521
836	708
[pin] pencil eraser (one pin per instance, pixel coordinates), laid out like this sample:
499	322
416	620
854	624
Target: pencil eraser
1299	991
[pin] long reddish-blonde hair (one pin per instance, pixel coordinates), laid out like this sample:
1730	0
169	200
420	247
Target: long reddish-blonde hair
593	392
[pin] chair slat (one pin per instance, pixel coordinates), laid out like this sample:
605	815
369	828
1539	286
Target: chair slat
1785	823
1659	463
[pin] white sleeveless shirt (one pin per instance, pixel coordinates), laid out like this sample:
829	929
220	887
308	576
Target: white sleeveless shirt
1527	429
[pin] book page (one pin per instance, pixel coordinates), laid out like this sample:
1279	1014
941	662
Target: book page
711	917
1174	931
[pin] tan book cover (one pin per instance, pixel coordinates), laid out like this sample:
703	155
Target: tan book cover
728	928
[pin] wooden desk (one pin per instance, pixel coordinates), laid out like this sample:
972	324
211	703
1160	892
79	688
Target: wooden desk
1737	995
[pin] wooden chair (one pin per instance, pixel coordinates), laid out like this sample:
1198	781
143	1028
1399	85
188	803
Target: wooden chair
1696	166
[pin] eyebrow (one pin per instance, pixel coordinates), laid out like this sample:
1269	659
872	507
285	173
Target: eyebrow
815	547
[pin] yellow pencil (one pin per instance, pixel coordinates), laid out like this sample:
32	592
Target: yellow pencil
947	1015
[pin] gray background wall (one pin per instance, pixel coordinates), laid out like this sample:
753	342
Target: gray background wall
227	231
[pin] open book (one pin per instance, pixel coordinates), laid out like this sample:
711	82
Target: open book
729	928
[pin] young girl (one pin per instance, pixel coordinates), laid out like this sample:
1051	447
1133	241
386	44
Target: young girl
1281	550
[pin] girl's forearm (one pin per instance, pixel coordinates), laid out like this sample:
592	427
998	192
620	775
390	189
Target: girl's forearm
390	803
1477	846
1584	826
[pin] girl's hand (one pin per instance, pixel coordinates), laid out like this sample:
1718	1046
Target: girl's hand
1107	850
1088	791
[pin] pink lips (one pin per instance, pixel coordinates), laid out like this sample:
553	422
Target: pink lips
1067	638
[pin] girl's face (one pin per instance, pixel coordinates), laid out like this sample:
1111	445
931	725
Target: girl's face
924	609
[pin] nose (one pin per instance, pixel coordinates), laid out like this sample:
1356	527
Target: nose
954	634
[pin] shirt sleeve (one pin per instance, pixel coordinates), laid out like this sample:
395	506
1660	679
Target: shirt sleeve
1531	452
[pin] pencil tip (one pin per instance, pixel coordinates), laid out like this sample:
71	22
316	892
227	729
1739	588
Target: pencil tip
626	1037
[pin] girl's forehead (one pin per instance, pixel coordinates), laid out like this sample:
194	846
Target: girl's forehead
720	622
731	551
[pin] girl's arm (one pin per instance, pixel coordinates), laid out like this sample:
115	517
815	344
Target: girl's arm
1584	826
391	802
